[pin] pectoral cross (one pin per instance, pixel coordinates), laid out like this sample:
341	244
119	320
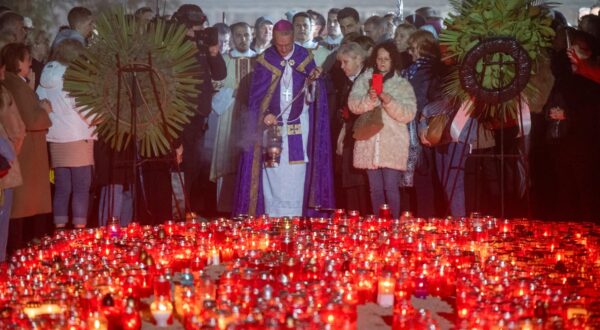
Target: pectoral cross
287	94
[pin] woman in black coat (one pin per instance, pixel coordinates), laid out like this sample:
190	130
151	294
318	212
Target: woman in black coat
424	75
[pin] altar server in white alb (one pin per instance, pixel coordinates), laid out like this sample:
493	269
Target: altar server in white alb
229	104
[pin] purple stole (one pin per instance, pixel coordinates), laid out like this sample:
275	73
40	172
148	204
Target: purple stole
301	67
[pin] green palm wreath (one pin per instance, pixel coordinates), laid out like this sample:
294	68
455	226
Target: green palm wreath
157	66
525	21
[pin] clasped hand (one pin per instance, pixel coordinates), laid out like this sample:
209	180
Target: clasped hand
270	119
384	97
315	74
557	113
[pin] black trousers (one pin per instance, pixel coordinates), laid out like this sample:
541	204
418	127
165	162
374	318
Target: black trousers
22	231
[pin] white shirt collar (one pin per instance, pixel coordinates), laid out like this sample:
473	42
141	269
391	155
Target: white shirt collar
288	56
334	41
353	77
308	44
236	53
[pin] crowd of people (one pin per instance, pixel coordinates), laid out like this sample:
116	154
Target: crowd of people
298	117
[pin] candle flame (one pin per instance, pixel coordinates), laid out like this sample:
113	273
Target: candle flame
330	318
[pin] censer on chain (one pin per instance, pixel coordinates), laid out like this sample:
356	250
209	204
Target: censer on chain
272	142
272	145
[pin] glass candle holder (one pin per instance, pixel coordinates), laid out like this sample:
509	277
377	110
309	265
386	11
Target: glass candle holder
131	319
97	321
161	310
385	289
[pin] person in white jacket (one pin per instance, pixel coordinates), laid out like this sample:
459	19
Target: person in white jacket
71	139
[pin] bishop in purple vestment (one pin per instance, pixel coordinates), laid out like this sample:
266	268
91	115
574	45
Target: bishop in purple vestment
287	92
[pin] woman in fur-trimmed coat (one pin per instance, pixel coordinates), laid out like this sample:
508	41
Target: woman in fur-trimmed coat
385	154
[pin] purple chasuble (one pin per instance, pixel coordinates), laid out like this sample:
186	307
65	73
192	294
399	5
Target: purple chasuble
264	99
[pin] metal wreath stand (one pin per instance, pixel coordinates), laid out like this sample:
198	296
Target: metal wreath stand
472	82
133	94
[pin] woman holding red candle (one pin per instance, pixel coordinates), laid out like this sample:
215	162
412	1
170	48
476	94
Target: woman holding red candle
384	155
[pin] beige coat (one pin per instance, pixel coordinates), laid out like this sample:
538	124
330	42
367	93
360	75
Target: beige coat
13	129
33	196
389	147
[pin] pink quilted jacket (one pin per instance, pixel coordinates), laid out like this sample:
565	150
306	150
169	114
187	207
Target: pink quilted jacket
389	147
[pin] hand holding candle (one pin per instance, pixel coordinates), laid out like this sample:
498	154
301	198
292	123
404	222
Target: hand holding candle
377	83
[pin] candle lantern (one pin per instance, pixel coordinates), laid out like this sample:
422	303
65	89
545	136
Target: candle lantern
214	257
131	319
206	289
365	286
331	316
385	289
113	227
111	311
385	212
338	214
353	217
130	287
134	230
161	310
97	321
403	313
185	305
421	286
406	216
162	287
227	251
224	319
182	282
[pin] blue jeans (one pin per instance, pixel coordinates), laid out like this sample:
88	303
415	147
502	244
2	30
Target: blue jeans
4	221
450	162
72	183
384	186
122	205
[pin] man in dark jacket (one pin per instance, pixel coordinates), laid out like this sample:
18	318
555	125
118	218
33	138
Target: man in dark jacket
195	165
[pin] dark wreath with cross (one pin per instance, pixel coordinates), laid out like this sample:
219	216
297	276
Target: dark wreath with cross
495	71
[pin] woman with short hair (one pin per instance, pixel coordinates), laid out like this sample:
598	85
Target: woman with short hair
352	57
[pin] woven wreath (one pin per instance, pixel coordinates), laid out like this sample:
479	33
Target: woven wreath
157	66
503	54
493	46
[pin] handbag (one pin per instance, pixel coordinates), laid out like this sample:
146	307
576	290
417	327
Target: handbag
4	166
438	115
436	126
368	124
